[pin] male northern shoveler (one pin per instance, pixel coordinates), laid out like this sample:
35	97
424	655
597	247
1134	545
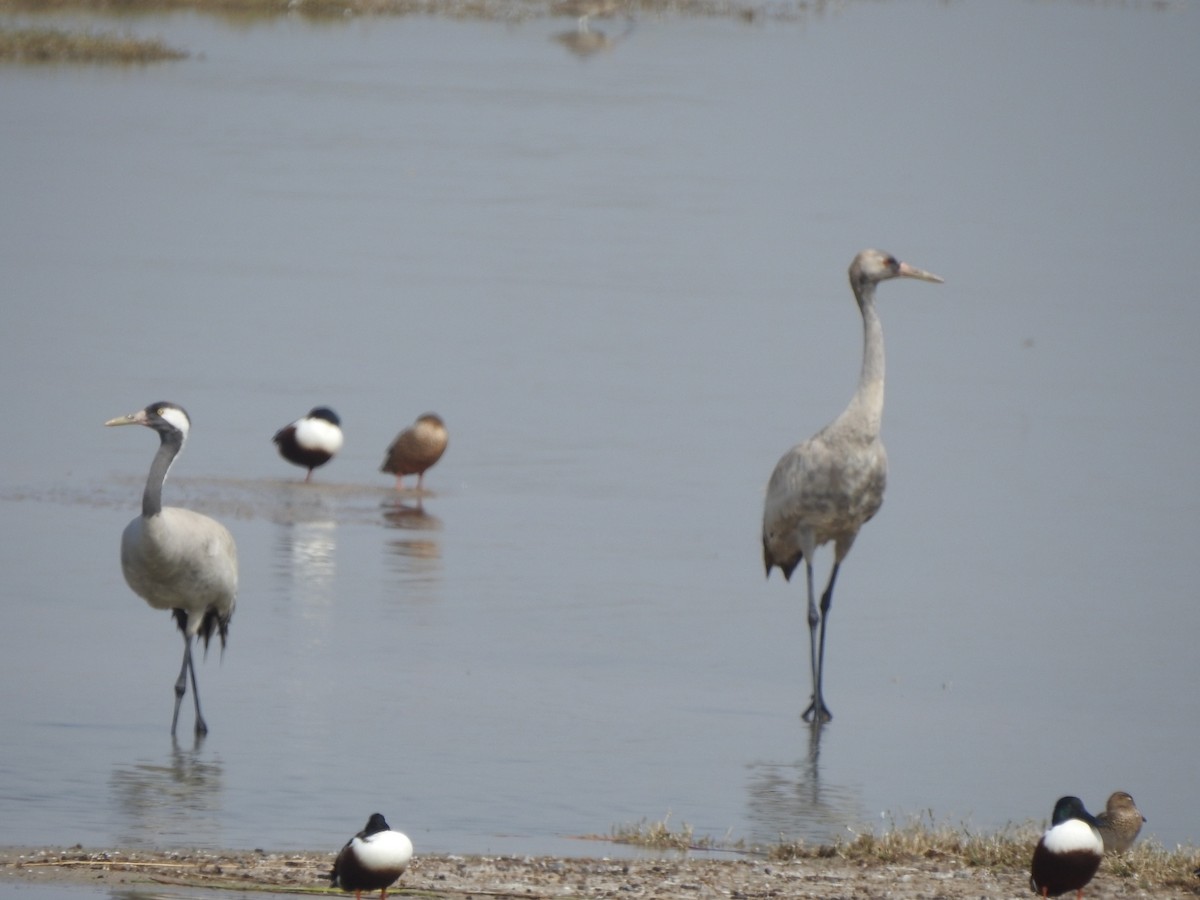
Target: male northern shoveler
1120	823
372	860
312	440
416	449
1069	853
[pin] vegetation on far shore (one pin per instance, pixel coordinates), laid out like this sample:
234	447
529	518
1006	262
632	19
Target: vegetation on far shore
744	10
329	9
1148	863
34	45
507	9
244	9
37	45
52	45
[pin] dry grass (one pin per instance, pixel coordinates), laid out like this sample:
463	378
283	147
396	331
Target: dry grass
257	9
50	45
924	838
1147	864
656	836
507	10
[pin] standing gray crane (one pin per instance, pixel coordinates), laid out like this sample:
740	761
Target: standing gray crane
825	488
178	559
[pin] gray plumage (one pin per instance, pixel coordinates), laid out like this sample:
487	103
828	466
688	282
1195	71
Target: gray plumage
178	559
825	488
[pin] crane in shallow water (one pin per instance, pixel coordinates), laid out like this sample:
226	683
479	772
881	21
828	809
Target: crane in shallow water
825	488
175	558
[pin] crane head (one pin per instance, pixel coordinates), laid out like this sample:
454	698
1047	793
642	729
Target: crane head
874	266
163	417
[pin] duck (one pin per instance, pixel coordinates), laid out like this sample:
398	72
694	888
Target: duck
1120	822
1068	855
312	440
374	859
416	449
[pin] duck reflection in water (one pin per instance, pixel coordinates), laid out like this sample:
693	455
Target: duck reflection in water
306	562
409	516
412	518
308	552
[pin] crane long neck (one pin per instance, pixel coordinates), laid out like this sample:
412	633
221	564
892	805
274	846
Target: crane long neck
867	404
167	451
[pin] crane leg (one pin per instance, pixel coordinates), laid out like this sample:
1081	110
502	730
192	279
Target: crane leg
201	725
820	709
188	668
817	706
181	682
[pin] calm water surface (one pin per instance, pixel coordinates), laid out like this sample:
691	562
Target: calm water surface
621	281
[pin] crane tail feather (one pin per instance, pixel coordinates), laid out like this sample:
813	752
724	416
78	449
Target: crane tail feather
787	568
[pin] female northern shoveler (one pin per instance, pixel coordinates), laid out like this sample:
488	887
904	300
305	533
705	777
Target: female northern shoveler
1120	823
372	860
1069	853
416	449
311	441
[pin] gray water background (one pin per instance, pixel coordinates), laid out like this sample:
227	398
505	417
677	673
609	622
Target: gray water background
621	281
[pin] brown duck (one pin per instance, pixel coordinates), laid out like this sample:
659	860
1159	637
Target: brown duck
416	449
1120	823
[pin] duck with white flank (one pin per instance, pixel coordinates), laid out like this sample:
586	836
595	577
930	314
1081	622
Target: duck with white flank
372	860
178	559
311	441
1069	853
1120	823
416	449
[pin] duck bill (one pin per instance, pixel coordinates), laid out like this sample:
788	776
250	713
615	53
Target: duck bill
913	272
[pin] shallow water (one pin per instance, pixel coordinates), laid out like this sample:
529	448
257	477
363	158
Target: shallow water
26	890
621	281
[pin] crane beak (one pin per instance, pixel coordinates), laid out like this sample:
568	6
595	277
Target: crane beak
134	418
912	272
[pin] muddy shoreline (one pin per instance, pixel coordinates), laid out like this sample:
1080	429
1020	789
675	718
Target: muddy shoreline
556	877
